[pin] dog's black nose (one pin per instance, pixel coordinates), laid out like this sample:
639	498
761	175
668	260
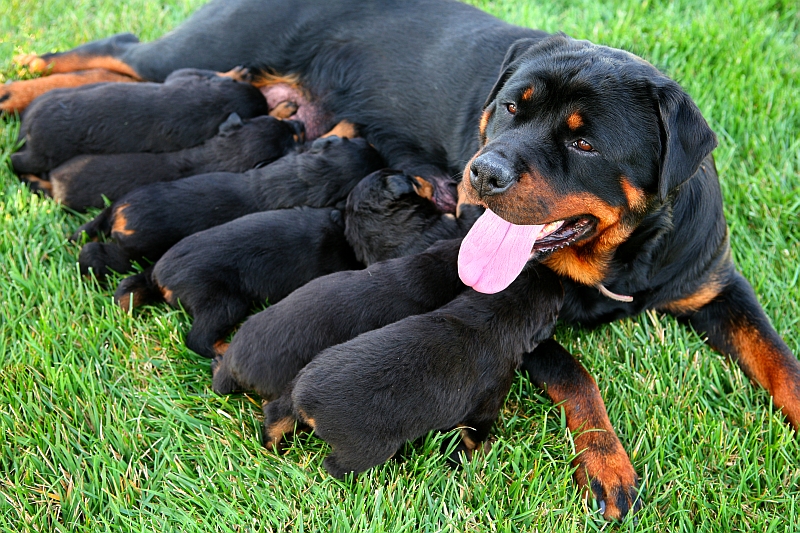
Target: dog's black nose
491	174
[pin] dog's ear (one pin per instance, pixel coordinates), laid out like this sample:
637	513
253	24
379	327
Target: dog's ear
231	124
520	49
686	138
510	64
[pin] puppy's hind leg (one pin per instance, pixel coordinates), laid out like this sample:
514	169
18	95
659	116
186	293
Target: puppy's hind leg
212	323
279	419
138	290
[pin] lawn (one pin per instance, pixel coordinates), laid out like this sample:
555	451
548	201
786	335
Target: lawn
108	423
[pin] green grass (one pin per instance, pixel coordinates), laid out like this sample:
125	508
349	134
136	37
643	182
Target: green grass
107	423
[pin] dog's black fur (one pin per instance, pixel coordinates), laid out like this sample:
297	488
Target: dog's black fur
272	346
390	214
220	274
182	112
86	180
447	368
147	221
570	130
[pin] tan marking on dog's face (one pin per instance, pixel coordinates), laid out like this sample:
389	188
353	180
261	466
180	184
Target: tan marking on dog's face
344	130
484	123
574	121
423	188
120	225
527	94
637	201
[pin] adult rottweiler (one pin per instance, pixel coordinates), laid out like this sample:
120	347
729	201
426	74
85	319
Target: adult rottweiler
590	138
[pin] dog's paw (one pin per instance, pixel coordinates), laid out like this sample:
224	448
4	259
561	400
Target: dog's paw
32	62
608	475
14	97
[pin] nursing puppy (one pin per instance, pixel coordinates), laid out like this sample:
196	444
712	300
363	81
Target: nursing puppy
146	222
449	368
391	214
220	274
272	346
111	118
85	180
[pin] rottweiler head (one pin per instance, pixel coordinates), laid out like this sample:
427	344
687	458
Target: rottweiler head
586	140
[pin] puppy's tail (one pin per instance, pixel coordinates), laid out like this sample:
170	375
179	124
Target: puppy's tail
138	290
99	225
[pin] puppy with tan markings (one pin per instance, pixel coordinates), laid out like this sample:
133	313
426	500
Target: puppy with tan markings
391	214
220	274
86	180
146	222
272	346
182	112
448	368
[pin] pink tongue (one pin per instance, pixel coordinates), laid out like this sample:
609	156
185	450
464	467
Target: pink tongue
494	252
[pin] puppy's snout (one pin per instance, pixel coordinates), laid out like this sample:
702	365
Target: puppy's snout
491	174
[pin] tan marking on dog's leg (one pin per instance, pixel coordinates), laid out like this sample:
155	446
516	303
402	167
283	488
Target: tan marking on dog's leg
17	95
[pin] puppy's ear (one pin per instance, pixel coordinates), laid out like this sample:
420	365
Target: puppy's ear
399	184
686	138
231	124
510	64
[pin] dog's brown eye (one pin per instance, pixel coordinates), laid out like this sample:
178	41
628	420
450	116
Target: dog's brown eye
581	144
512	108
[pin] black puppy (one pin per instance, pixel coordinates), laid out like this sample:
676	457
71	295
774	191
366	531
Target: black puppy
84	180
219	281
449	368
109	118
147	221
272	346
391	214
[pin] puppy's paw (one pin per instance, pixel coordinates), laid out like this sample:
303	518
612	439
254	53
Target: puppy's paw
608	475
37	184
240	73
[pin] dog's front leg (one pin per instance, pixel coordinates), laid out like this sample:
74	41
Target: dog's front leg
735	324
602	464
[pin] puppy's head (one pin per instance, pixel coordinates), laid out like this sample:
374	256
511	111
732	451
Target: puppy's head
388	215
348	159
586	140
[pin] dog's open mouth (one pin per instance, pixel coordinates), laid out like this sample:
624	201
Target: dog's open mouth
495	251
564	233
